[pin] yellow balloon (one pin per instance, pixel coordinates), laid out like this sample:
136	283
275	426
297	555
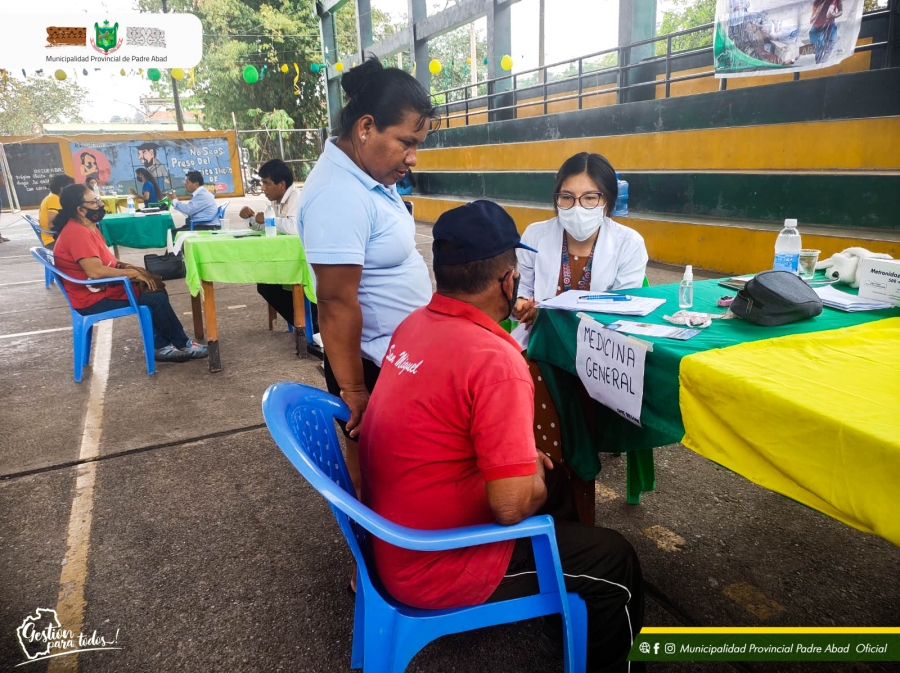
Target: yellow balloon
506	62
434	66
178	74
339	67
122	72
284	67
468	61
60	75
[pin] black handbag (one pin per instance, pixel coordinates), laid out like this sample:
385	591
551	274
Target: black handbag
168	266
776	298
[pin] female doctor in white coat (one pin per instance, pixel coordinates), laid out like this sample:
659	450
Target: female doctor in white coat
581	248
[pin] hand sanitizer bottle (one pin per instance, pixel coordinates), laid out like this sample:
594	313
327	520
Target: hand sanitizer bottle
686	289
270	221
130	203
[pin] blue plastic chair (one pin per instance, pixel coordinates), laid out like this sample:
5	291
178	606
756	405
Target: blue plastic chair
220	217
83	325
388	634
38	230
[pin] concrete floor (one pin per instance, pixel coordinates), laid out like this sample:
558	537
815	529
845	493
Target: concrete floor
208	552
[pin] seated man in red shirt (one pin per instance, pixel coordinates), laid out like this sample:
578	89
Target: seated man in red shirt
448	442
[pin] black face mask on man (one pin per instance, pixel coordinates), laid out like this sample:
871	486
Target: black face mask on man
95	214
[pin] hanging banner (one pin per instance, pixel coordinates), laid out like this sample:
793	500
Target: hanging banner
755	37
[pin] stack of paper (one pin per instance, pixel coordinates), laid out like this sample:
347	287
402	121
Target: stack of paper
570	301
847	302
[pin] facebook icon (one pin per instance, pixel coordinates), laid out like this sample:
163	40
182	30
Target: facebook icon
655	648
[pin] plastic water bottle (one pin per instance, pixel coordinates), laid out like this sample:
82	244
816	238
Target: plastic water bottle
686	289
130	204
787	248
97	191
270	222
621	207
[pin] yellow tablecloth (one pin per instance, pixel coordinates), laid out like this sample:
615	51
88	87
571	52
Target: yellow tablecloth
815	417
112	203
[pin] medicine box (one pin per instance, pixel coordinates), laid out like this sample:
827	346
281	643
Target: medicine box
880	279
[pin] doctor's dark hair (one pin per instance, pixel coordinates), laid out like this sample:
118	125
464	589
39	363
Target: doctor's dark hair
385	93
598	169
69	199
474	277
277	171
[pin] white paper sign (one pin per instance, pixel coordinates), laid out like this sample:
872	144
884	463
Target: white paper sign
611	367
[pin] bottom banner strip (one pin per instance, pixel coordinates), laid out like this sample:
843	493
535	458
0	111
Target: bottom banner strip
766	647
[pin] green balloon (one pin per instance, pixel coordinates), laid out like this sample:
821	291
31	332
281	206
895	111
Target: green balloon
153	75
485	60
251	74
314	68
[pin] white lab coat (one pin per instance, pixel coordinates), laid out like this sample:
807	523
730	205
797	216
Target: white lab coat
620	259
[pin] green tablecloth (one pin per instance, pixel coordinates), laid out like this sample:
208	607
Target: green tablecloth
224	258
552	345
131	231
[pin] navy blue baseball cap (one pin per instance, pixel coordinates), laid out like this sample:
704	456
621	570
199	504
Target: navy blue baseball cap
478	230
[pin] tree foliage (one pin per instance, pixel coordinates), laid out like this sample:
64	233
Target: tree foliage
687	14
238	33
27	105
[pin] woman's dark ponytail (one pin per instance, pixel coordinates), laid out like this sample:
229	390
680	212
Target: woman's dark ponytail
69	199
385	93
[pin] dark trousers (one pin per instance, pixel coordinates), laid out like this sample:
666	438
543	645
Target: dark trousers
167	327
283	302
598	564
370	376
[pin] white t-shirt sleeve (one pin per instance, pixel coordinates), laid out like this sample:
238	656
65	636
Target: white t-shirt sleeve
336	227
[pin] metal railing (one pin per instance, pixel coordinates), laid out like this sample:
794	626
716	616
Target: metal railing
462	100
284	144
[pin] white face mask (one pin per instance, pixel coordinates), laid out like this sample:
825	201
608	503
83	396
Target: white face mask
581	223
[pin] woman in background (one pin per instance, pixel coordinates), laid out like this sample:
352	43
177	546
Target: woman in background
149	188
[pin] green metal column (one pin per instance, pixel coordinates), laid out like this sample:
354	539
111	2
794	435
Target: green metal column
418	11
499	44
637	21
364	26
329	47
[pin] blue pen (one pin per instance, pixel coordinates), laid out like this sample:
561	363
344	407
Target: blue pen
605	297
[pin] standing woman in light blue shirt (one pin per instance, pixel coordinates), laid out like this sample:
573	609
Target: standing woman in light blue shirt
357	234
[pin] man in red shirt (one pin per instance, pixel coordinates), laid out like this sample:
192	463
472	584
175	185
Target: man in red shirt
448	442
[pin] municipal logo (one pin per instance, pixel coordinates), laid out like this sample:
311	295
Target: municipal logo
106	41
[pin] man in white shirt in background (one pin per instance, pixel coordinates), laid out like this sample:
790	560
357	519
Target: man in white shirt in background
278	186
201	208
